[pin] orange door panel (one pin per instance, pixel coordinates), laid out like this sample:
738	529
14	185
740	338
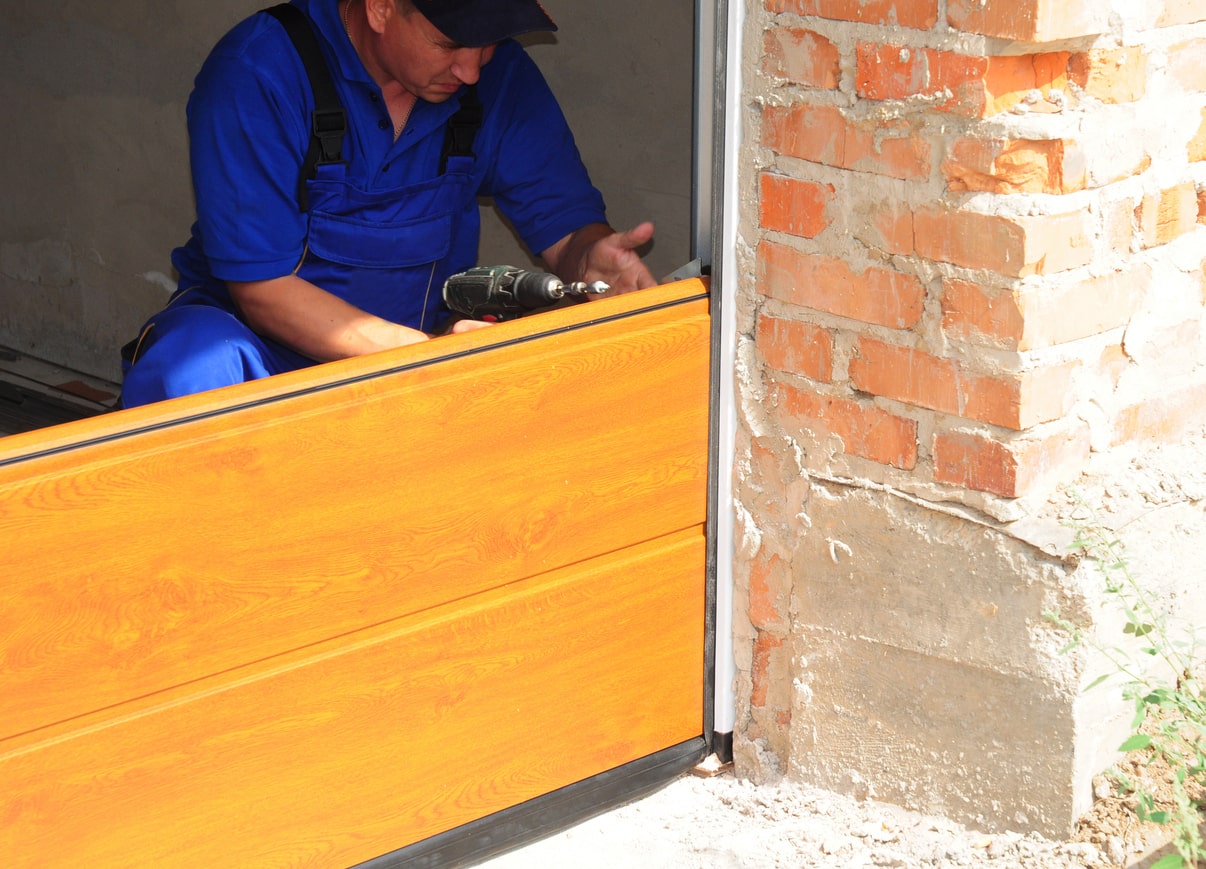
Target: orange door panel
320	617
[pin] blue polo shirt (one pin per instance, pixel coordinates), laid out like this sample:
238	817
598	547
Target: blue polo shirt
249	128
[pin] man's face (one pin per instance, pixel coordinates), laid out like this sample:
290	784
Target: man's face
425	62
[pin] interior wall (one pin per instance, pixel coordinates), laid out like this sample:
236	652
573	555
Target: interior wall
97	191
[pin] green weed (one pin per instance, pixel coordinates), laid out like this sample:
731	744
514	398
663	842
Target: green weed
1157	670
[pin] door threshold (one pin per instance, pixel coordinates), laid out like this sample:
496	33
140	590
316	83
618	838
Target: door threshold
556	811
36	393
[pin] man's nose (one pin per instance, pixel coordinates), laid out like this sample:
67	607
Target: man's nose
468	62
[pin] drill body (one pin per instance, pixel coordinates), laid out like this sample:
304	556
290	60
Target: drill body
496	293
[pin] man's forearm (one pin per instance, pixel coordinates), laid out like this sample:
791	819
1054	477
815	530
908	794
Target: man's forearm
315	323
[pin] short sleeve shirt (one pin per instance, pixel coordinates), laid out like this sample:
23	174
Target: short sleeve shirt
249	128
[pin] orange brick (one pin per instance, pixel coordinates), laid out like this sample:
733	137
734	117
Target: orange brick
1112	364
770	660
972	311
1012	468
1034	317
822	134
1197	145
1182	12
1053	166
1119	225
1202	205
1163	418
795	347
864	430
874	295
1117	76
1167	215
770	591
891	228
916	14
794	206
800	57
1016	401
966	84
1187	65
1013	246
1028	20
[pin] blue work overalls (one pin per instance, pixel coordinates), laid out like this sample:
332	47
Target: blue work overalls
387	252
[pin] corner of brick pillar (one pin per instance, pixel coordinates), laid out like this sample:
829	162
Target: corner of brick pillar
969	279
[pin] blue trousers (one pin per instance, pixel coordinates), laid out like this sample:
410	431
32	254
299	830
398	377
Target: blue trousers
193	348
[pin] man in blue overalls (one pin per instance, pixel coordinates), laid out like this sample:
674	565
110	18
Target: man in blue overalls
314	242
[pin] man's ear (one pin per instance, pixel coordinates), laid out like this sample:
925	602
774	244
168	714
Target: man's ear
379	12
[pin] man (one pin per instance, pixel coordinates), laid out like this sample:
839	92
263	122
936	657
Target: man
279	275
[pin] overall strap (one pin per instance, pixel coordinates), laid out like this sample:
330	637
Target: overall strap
329	123
462	128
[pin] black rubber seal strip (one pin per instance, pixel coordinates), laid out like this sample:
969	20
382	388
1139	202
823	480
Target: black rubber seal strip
543	816
326	387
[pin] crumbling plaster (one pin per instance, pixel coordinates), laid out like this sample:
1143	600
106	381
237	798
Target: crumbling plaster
890	634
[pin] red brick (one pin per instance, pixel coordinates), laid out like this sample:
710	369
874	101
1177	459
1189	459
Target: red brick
970	85
795	347
800	57
1054	166
971	311
769	659
770	590
794	206
1016	401
874	295
864	430
1013	246
891	228
1034	317
1010	469
1167	215
1112	76
1028	20
1163	418
1182	12
822	134
1202	205
916	14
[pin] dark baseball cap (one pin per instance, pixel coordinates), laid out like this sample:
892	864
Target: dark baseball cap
484	22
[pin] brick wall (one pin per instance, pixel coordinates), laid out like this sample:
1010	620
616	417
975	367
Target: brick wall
976	262
968	212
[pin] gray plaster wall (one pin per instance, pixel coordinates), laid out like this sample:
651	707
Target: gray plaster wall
95	175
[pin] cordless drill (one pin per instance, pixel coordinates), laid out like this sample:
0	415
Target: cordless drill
495	293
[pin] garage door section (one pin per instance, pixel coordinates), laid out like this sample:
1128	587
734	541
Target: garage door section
358	610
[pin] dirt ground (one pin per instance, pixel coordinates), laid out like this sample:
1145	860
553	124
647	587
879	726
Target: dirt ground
724	823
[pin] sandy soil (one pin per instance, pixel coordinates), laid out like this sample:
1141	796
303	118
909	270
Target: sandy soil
724	823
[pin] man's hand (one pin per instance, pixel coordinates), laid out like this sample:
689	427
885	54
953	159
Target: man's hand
597	252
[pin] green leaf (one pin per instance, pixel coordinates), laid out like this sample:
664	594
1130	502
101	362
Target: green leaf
1097	681
1136	742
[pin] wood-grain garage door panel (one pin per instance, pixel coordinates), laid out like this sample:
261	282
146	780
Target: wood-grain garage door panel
371	742
159	559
